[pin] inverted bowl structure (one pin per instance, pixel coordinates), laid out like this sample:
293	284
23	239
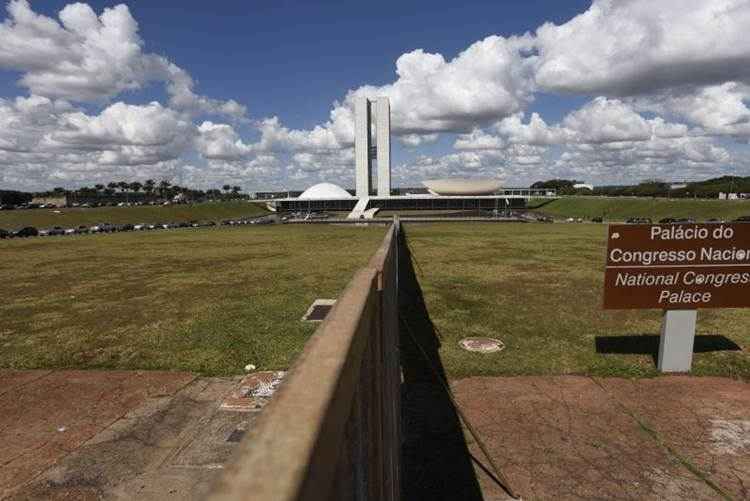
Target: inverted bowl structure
463	186
325	191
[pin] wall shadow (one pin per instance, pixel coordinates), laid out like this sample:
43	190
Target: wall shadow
435	460
648	344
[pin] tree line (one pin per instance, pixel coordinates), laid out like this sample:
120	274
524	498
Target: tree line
150	188
709	188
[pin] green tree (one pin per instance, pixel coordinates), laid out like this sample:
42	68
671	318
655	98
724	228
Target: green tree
164	187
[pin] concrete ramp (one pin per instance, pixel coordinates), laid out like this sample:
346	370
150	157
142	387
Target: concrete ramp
358	212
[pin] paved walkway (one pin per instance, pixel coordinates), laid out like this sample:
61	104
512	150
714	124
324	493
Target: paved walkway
574	437
165	435
119	434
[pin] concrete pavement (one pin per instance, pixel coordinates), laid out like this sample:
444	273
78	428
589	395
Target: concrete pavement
119	434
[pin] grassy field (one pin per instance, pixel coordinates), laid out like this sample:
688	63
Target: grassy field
538	288
207	300
619	209
212	211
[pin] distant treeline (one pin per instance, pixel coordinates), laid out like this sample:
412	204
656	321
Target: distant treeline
14	197
150	189
654	188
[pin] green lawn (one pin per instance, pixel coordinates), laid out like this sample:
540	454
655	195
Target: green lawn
619	209
538	288
211	211
208	300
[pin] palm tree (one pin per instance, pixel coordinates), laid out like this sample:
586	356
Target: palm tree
226	188
149	186
136	186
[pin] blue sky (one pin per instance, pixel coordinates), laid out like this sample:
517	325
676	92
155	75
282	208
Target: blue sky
623	90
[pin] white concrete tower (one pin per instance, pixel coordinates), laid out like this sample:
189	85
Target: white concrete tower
362	140
383	136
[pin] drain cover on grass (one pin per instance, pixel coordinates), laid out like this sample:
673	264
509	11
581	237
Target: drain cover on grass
481	344
318	310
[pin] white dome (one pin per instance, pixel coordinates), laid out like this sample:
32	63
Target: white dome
324	191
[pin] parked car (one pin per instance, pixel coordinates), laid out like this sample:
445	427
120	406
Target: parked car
742	219
597	220
638	220
545	219
81	230
715	220
28	231
56	231
71	231
4	234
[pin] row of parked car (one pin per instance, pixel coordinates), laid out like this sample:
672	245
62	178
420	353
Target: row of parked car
684	220
241	221
30	231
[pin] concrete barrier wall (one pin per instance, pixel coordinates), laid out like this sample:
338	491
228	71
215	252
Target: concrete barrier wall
332	430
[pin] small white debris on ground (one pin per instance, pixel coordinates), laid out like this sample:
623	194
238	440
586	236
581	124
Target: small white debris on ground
253	392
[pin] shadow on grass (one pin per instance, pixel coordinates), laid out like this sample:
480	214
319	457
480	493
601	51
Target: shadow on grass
648	344
540	203
436	463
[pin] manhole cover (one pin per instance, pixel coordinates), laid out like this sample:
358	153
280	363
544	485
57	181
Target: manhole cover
481	344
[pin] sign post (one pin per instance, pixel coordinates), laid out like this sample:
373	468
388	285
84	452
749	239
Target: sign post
676	341
678	268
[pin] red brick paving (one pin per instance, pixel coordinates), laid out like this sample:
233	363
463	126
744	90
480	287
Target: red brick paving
566	437
46	415
572	437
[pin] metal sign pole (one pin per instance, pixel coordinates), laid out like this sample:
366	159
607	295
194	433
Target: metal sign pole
676	341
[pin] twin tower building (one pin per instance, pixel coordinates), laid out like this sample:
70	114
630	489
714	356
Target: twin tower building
365	152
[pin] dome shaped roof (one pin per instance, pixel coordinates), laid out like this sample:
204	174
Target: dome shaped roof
324	191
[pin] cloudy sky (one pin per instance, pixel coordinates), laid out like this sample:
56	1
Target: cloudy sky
260	93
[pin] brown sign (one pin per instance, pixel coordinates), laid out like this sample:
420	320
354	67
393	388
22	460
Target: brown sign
678	266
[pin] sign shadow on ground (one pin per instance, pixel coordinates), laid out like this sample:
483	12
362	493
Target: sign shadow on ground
648	344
